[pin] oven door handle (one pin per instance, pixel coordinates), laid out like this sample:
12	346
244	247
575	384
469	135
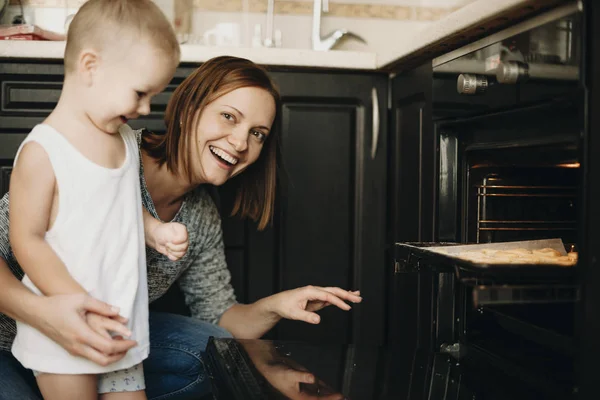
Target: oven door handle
541	293
375	133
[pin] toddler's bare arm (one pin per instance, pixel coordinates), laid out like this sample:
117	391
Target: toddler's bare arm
32	187
168	238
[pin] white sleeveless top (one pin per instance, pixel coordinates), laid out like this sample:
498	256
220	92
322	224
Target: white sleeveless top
99	235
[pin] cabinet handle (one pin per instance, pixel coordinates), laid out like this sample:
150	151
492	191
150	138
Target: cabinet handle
375	137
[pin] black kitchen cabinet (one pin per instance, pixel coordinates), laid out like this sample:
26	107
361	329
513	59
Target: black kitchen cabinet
329	227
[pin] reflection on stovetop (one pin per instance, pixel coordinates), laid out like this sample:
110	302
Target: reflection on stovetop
260	369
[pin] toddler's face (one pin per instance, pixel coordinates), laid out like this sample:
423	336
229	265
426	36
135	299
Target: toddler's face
124	84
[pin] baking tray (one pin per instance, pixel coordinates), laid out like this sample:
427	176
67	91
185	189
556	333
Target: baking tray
412	256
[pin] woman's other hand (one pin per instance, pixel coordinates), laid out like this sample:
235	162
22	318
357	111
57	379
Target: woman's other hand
63	318
171	239
301	304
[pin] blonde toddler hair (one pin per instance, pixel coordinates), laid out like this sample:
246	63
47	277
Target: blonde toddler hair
108	24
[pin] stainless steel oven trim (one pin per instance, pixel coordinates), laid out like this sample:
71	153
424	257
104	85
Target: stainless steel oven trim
524	26
541	71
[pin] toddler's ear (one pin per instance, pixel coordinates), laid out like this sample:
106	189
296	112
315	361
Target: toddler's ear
87	65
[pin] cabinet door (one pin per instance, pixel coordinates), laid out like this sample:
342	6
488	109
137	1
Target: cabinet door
413	167
330	224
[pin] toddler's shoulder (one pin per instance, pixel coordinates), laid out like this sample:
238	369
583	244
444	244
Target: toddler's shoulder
130	134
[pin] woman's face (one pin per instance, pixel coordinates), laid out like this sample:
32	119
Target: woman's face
231	132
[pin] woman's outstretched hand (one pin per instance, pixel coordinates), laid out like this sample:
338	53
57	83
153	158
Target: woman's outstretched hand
302	303
252	321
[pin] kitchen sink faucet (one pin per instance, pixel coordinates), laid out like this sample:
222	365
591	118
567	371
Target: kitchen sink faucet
329	41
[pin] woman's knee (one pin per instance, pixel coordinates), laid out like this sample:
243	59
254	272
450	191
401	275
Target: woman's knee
182	332
173	371
172	360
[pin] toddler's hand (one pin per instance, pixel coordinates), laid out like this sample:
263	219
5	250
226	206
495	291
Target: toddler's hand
171	239
104	325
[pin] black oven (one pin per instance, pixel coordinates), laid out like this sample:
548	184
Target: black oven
509	118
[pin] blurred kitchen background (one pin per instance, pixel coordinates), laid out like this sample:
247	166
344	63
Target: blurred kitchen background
384	25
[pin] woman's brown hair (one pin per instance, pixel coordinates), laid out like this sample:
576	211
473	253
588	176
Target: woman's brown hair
255	196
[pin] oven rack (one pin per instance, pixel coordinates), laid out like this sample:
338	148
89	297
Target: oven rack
485	192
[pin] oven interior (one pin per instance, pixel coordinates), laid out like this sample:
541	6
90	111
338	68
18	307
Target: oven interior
516	177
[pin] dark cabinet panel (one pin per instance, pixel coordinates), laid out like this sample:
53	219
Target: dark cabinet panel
29	92
31	97
316	224
330	226
9	144
318	198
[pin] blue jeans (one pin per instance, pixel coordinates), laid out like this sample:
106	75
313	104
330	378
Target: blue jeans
173	371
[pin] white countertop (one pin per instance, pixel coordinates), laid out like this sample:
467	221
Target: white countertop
462	19
198	53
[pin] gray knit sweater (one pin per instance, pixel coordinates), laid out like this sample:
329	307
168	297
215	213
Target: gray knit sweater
202	273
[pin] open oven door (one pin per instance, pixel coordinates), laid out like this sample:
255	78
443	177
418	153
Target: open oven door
518	319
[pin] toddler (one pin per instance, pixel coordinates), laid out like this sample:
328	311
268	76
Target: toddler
76	217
